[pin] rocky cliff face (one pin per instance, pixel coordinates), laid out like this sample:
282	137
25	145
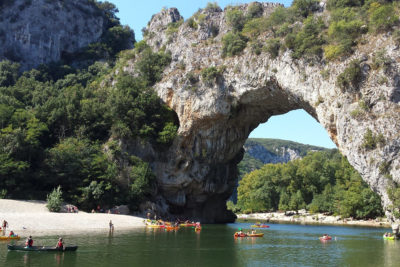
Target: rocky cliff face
216	118
198	172
39	31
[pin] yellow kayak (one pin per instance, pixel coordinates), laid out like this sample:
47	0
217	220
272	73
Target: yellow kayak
17	237
155	226
389	237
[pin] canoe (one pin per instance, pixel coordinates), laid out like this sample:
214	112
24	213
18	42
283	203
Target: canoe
240	235
170	228
41	248
389	237
187	224
17	237
260	226
155	226
325	238
256	235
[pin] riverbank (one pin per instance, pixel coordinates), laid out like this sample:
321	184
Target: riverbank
33	218
304	217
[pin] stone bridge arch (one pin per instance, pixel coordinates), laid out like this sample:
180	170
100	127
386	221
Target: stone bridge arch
217	112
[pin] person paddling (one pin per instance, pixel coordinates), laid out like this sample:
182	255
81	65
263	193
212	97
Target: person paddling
29	242
60	244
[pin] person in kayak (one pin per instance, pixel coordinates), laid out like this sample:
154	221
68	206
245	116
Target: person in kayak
60	244
12	234
29	242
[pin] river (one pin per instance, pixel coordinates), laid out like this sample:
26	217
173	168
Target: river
282	245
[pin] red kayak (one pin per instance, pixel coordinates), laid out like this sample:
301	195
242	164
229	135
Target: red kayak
325	238
240	235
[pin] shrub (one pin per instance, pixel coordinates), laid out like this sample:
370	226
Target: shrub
254	10
173	27
334	4
192	23
273	46
255	27
256	47
235	18
213	7
304	8
168	134
381	60
308	42
351	76
192	78
382	17
210	75
54	200
233	44
371	141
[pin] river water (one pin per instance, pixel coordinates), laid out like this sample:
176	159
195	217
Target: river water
282	245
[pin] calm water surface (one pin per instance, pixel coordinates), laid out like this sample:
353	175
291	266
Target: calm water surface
282	245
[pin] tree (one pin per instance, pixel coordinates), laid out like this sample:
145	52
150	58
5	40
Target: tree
54	200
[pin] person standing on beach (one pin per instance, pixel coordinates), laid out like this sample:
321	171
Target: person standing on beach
111	226
5	225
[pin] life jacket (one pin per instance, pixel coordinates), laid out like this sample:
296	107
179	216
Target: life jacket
60	244
29	243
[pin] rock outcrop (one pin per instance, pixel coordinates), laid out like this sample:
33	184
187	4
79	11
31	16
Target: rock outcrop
199	171
216	118
40	31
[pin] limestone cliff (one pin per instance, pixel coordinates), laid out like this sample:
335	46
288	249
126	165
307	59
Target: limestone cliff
216	118
40	31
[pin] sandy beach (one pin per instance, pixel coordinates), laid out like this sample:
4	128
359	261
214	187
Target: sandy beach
32	217
304	217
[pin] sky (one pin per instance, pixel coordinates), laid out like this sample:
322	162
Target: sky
296	125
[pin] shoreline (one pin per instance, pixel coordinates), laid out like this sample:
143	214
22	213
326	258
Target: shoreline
32	218
313	219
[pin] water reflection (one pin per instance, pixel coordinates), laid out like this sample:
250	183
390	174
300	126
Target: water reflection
214	245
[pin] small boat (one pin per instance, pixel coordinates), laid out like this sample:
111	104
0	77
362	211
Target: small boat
155	225
260	226
389	237
41	248
17	237
171	228
255	235
240	235
325	238
187	224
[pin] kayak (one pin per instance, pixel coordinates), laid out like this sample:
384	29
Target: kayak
389	237
325	238
240	235
187	224
41	248
170	228
17	237
260	226
155	226
256	235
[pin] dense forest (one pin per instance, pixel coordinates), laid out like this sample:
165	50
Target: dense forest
322	181
60	123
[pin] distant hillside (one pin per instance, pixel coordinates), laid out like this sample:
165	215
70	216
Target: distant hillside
260	151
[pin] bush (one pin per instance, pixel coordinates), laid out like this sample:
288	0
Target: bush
254	27
192	23
334	4
173	27
254	10
371	141
54	200
235	18
273	46
213	7
351	76
210	75
233	44
308	42
304	8
382	17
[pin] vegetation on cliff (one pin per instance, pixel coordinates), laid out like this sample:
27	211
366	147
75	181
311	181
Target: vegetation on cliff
59	124
305	32
322	181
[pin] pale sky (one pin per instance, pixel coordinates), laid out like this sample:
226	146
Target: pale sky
296	125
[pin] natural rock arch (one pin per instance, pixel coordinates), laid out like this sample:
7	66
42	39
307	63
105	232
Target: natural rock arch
198	173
